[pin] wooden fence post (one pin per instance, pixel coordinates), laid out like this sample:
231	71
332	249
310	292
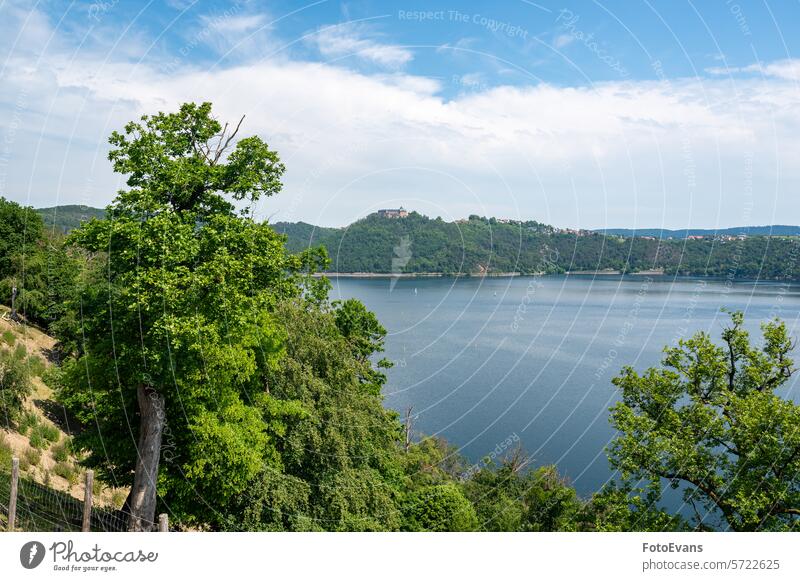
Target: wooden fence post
87	502
12	499
163	523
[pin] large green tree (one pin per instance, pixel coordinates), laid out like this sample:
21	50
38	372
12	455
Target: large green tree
710	420
176	335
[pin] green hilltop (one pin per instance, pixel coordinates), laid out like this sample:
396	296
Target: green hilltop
479	245
66	218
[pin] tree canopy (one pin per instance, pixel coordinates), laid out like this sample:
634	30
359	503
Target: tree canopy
709	420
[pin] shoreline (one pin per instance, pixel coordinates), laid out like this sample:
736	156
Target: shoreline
421	275
615	273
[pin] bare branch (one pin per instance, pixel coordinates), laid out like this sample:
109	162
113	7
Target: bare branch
221	150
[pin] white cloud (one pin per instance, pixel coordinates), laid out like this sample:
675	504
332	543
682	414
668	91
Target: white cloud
348	39
700	152
234	24
563	40
788	69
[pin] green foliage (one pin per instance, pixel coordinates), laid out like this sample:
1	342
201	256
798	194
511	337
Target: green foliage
340	446
511	497
709	421
441	507
15	386
36	262
626	509
9	338
191	286
20	228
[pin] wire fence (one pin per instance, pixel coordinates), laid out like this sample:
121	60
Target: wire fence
43	509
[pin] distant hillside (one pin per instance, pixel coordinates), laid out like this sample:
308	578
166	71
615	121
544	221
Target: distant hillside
66	218
777	230
418	244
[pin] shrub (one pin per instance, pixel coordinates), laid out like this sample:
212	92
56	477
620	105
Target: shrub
440	508
15	386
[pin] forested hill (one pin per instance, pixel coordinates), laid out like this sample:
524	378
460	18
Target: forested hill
775	230
418	244
66	218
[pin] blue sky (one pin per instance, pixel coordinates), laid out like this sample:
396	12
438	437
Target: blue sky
580	114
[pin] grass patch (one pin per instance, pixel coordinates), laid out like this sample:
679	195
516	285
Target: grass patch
9	338
37	441
5	453
27	421
21	352
36	365
118	497
32	457
49	432
62	451
67	471
42	435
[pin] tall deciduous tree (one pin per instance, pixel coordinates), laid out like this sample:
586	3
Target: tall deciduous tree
710	420
176	332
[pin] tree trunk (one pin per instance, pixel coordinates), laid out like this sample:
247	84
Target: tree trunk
151	427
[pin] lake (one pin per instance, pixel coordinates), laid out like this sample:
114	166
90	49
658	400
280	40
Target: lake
485	360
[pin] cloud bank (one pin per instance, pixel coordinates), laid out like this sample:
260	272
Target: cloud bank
711	151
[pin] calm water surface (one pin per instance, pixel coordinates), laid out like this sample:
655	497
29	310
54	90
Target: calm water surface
483	360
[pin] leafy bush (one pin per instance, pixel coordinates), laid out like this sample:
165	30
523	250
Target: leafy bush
15	386
440	508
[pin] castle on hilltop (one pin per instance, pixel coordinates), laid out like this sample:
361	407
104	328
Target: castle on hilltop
393	213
